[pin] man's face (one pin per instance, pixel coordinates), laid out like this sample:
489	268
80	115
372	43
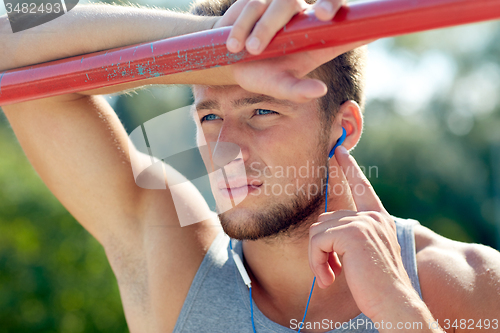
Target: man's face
283	151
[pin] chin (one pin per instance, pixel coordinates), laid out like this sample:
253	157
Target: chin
240	223
271	220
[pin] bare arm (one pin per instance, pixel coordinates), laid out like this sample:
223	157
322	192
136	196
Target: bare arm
91	28
76	143
460	282
73	134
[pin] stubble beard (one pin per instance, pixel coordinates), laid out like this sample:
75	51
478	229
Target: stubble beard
281	220
290	218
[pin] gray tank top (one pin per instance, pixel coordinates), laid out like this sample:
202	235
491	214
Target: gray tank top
218	300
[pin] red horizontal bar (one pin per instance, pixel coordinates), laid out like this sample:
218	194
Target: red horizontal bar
205	49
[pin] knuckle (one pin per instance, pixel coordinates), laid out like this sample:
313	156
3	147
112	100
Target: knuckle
257	6
292	4
238	30
317	229
325	217
264	29
357	226
345	220
336	215
377	216
337	3
315	267
314	239
314	226
358	230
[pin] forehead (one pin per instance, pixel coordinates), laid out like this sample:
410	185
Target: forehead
229	97
201	92
233	97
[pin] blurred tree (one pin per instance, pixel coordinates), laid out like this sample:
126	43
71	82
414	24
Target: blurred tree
431	131
54	276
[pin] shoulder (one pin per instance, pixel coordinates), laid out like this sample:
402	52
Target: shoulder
458	280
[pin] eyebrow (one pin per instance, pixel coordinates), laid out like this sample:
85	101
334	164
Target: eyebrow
260	99
207	105
246	101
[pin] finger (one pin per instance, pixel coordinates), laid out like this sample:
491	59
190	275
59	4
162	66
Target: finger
321	240
329	220
311	60
244	24
321	247
362	191
324	273
284	86
335	264
321	56
232	14
325	10
276	17
299	90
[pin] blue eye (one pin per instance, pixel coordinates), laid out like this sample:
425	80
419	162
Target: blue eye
262	112
209	117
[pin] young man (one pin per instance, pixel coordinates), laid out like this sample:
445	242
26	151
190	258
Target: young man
365	260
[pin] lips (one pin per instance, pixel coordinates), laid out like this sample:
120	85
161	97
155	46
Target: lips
238	188
238	183
237	193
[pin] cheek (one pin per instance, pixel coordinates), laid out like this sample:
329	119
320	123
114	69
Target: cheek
206	136
285	147
307	165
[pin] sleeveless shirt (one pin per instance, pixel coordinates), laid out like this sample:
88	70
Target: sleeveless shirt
218	300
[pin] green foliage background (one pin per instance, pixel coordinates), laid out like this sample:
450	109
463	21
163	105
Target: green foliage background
54	276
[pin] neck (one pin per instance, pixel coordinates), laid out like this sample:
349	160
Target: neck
281	280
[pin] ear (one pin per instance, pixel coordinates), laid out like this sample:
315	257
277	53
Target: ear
350	118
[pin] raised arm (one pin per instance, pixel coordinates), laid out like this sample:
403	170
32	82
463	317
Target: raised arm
72	134
76	142
91	28
87	29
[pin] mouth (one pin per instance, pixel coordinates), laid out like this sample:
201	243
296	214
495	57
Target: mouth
238	188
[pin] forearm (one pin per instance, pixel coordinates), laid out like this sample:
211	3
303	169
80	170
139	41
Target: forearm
405	310
213	76
418	319
91	28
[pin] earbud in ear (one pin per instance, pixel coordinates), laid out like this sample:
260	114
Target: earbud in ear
338	143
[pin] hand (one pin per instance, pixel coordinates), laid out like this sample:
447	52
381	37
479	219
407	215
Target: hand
255	22
363	244
283	77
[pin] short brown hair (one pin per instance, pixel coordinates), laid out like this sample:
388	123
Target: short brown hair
344	75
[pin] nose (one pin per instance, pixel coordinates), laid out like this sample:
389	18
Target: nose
230	141
224	153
